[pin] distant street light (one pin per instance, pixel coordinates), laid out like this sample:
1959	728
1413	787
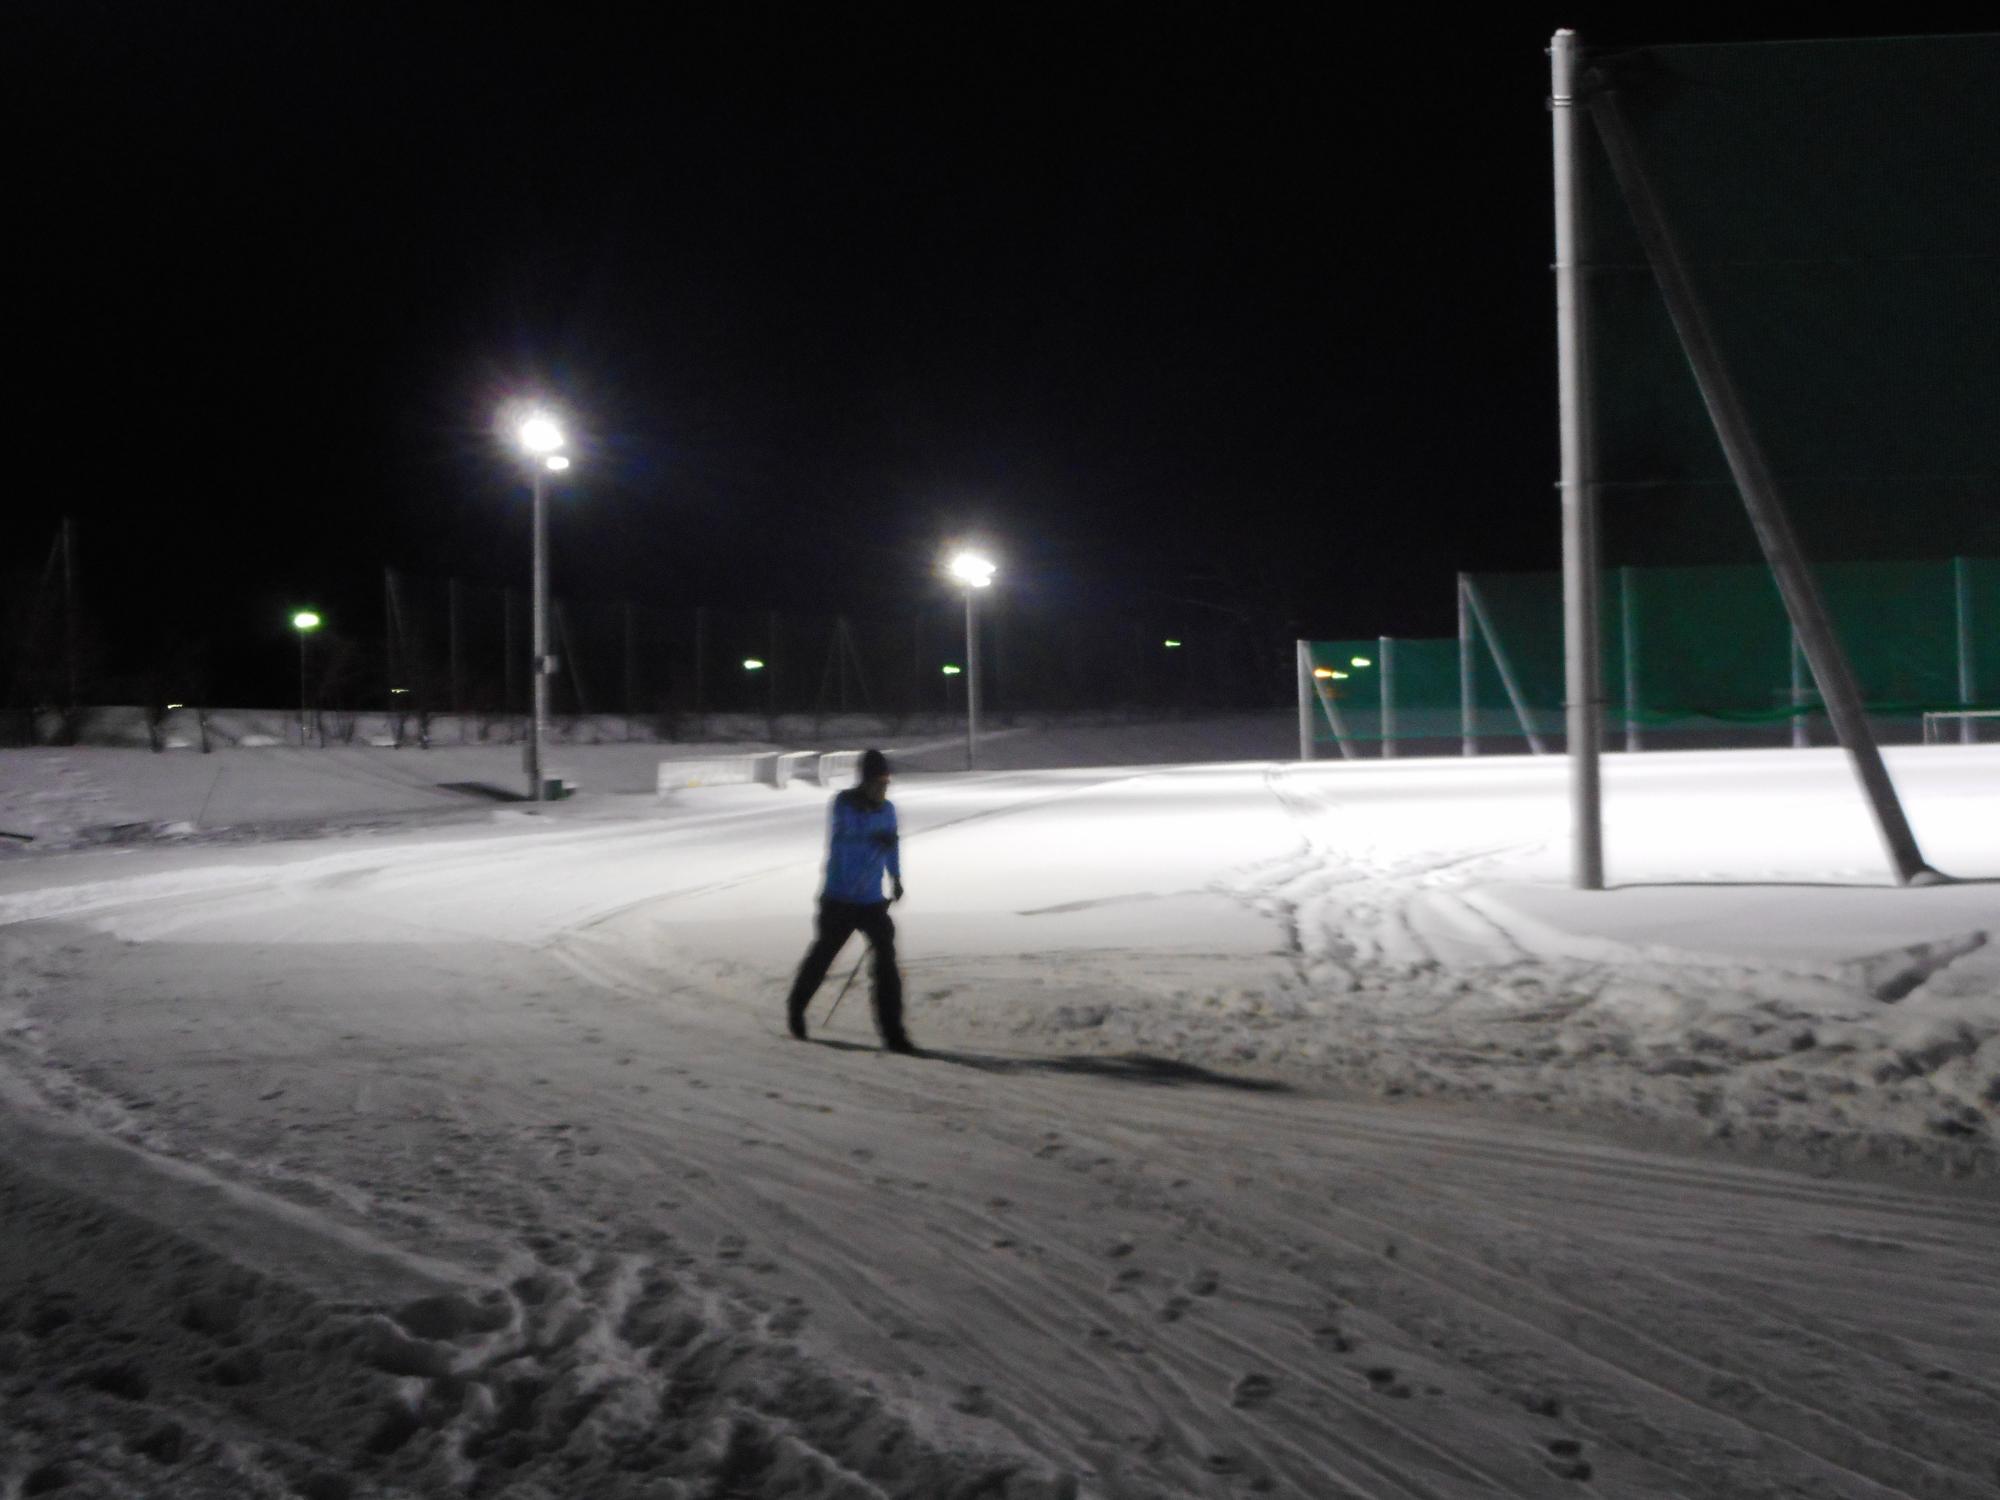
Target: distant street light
1359	661
541	438
305	622
1172	645
974	573
752	664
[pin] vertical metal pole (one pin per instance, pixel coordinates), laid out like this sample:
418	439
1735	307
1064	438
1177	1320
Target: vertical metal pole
1832	672
1583	668
1801	726
1302	661
539	646
1506	668
303	740
1385	663
1968	675
971	685
1468	741
1628	640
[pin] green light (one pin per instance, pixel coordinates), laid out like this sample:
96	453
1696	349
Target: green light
1359	661
305	619
1173	645
752	664
950	670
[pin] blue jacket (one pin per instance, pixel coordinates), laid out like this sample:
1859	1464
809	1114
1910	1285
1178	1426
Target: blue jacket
860	845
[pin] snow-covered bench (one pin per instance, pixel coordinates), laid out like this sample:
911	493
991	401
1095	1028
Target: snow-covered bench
718	770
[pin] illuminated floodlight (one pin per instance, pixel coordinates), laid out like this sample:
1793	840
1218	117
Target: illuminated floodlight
538	433
1359	661
971	569
173	706
950	670
752	664
305	619
399	690
1338	676
1173	645
1322	673
556	462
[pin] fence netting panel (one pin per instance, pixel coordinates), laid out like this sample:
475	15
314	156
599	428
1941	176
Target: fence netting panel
1838	211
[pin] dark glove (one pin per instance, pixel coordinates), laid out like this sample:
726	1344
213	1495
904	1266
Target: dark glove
895	889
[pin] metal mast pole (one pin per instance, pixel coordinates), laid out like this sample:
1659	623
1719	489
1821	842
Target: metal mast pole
539	646
1583	671
1302	658
1831	670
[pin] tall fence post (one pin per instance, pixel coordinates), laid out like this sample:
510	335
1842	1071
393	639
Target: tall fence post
1468	740
1302	656
1968	674
1385	663
1583	647
1628	632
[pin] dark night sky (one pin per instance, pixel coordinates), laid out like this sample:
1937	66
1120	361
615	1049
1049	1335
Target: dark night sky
1238	305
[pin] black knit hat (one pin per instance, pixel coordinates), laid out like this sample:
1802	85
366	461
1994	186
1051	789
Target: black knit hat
874	764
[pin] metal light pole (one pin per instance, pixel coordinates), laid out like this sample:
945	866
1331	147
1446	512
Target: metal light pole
975	573
542	439
304	622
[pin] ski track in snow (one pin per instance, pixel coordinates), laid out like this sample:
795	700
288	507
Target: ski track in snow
458	1168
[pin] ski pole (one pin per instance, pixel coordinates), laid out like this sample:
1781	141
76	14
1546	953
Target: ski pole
852	974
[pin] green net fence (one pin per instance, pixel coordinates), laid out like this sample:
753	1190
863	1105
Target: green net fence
1835	205
1704	654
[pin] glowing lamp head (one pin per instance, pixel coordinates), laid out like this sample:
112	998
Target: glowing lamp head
1359	661
972	570
1325	673
752	664
305	619
538	433
555	463
1172	645
951	671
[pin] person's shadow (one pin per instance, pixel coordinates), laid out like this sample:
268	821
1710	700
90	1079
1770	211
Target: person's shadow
1125	1067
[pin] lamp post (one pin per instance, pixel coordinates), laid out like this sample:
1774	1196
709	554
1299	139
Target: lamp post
975	573
305	622
542	440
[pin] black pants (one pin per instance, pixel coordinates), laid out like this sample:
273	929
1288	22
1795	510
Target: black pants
837	922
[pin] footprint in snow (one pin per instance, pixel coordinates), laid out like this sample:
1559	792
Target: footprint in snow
1252	1390
1384	1380
1566	1460
1204	1283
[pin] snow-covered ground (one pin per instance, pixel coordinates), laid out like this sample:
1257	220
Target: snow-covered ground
1283	1129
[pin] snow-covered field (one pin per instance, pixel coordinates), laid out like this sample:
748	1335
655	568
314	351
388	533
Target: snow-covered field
1282	1129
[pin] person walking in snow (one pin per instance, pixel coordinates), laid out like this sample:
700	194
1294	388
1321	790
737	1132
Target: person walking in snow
861	847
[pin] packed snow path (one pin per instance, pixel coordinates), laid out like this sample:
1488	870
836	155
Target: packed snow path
475	1161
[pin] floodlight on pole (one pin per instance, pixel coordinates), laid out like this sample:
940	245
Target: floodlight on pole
305	622
973	572
540	436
